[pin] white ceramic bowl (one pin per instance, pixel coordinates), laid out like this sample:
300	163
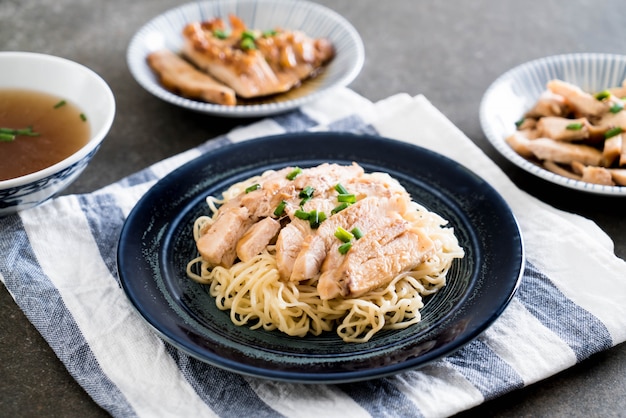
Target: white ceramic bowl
165	31
78	85
517	90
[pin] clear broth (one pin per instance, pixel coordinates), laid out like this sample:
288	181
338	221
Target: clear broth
62	130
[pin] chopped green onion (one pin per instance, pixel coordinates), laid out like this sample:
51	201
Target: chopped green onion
306	192
344	248
519	122
300	214
617	107
343	235
347	198
220	34
280	209
247	44
356	232
339	208
574	126
252	188
59	104
340	189
604	94
270	32
613	132
9	134
292	175
316	218
248	34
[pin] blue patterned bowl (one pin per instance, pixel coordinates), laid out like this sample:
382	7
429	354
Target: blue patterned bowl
74	83
517	90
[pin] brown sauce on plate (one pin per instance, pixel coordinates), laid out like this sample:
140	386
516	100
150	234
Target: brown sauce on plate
61	129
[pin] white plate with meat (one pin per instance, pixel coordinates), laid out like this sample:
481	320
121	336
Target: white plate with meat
245	58
562	119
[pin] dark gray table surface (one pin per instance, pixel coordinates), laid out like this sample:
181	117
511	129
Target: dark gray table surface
450	51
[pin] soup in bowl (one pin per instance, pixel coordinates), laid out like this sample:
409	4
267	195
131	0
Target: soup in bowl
54	115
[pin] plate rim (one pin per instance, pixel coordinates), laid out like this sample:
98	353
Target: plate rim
329	377
506	151
138	67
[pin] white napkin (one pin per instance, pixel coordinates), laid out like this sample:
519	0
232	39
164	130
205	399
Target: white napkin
59	264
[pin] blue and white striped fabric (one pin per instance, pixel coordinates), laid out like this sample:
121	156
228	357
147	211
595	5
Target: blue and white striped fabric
58	262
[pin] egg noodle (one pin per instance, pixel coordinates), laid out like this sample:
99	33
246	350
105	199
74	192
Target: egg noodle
256	296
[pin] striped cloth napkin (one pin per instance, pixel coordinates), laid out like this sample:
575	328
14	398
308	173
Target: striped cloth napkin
59	263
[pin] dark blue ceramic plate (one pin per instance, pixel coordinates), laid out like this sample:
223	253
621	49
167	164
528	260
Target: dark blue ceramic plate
156	243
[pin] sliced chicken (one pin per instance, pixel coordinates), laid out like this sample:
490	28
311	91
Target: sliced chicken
548	104
564	152
580	101
612	120
574	133
597	175
250	62
376	259
612	151
289	244
557	169
519	142
277	212
218	244
257	238
618	175
563	129
365	214
177	75
324	177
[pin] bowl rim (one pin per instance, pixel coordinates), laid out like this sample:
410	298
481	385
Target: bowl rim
506	151
95	139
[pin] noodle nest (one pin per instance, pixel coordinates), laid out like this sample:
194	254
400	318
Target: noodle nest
255	295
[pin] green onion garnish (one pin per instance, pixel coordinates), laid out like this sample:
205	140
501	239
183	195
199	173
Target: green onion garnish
347	198
343	235
83	117
300	214
252	188
10	134
292	175
344	248
617	107
340	189
316	218
339	208
613	132
247	34
604	94
59	104
220	34
247	40
247	44
356	232
306	192
280	209
519	122
4	137
574	126
268	33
